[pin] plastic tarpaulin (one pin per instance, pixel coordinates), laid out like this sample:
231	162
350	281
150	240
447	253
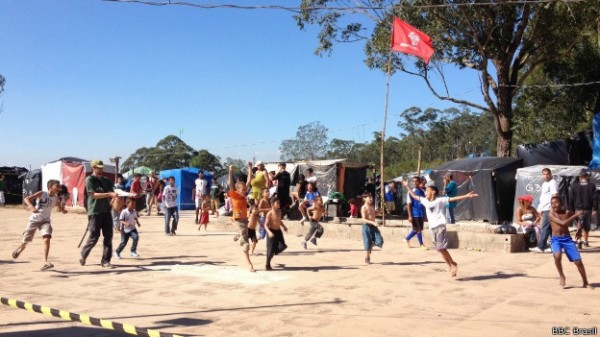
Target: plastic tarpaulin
529	181
490	177
32	182
185	181
73	176
548	153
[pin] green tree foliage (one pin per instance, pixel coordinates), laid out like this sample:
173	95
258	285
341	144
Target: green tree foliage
504	42
558	111
170	152
310	143
207	161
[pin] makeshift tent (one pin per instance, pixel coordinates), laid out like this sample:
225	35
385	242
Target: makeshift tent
529	181
13	180
576	150
185	181
335	176
32	182
491	177
72	172
143	170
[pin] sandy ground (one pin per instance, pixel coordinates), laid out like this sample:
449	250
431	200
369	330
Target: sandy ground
195	284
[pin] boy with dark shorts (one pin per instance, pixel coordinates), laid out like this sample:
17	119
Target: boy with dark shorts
275	240
436	215
416	211
561	240
252	223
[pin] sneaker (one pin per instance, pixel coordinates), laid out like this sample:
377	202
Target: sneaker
47	266
82	261
313	241
548	250
303	243
423	247
536	250
117	255
107	265
407	243
134	254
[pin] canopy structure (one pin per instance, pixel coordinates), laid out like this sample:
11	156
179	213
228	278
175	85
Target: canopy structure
185	181
492	178
143	170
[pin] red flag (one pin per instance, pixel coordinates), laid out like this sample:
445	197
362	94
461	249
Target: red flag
409	40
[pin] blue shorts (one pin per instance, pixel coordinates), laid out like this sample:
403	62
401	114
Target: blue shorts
558	243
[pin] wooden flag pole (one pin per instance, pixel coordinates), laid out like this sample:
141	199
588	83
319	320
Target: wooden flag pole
387	98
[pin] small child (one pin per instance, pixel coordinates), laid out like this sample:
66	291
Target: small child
370	233
252	223
315	212
40	219
128	219
561	239
264	206
204	209
275	240
353	208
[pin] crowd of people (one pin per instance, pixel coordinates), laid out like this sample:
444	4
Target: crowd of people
259	204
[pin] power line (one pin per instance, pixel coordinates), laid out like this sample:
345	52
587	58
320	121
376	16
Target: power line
338	8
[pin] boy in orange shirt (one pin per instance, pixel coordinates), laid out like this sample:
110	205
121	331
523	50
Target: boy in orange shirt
237	193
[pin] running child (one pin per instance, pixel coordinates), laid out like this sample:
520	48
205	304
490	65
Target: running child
436	215
561	240
205	208
370	233
264	206
275	240
237	192
315	212
127	220
40	219
252	223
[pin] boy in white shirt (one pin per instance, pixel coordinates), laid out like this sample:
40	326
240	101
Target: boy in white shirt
436	216
128	219
170	200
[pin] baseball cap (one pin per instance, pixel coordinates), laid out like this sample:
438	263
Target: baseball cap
97	163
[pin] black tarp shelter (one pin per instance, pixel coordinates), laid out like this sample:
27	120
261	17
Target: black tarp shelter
13	178
492	178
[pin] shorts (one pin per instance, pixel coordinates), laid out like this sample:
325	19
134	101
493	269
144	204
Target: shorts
417	224
43	226
252	235
585	220
438	236
558	243
390	205
243	231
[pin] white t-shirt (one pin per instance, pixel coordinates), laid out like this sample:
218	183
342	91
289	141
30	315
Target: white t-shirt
201	187
129	217
170	196
436	211
44	204
312	179
548	189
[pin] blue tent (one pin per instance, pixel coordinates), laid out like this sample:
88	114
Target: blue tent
184	181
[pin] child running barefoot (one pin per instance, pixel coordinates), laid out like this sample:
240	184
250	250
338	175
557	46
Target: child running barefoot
40	219
205	208
370	233
436	215
561	239
315	212
252	223
275	241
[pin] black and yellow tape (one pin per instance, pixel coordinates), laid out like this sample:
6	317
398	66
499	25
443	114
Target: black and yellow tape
69	316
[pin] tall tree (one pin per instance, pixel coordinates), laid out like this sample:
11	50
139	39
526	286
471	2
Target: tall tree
207	161
504	42
170	152
310	143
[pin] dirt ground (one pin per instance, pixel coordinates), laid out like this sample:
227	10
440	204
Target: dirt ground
195	284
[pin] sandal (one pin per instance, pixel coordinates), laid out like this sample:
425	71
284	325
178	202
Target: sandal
16	253
47	266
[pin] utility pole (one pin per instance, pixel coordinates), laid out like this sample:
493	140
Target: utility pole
115	160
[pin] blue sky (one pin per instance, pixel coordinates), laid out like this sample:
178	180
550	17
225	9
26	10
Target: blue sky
96	79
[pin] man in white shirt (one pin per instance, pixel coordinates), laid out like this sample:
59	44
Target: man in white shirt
548	190
199	191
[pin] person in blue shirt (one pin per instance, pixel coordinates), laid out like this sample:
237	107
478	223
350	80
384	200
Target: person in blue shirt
450	190
390	197
416	213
